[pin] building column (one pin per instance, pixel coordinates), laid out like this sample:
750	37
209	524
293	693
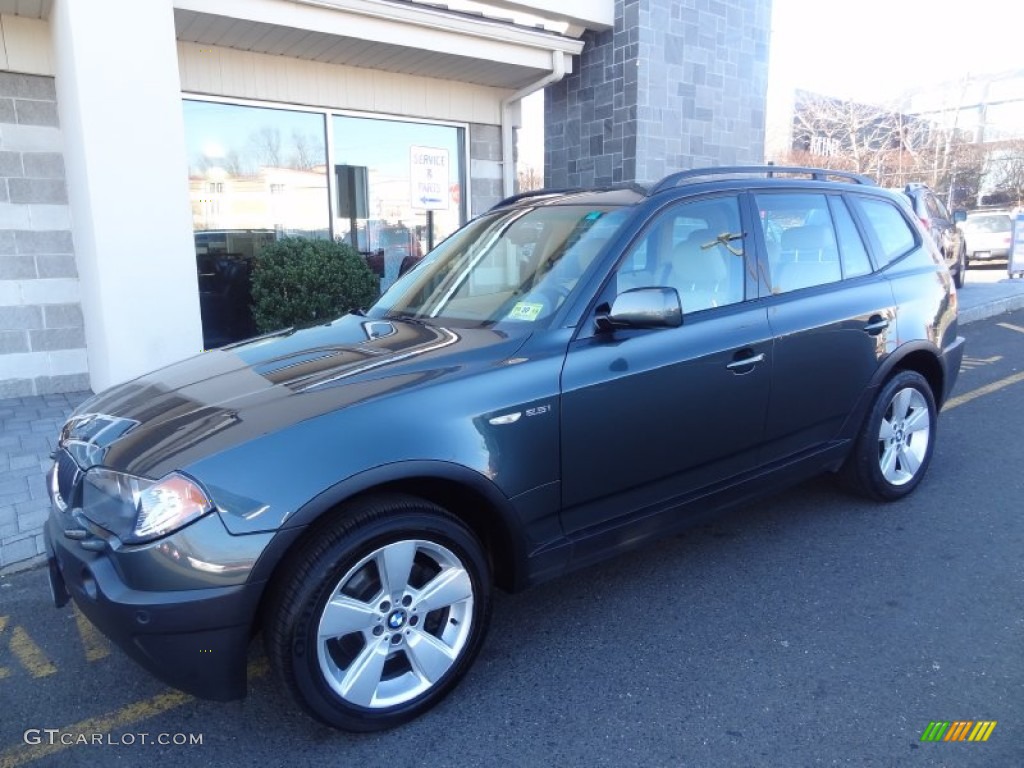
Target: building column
119	99
673	85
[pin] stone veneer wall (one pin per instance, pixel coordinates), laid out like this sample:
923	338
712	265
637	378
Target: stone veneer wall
672	85
42	340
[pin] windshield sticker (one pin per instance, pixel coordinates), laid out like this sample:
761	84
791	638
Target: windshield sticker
525	310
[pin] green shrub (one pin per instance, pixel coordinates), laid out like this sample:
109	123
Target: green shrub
299	282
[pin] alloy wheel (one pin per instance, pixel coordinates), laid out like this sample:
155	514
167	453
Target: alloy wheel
395	623
904	436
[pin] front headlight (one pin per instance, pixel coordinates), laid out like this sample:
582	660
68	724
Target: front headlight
137	509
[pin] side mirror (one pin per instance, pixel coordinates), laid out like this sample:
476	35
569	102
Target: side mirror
643	308
960	216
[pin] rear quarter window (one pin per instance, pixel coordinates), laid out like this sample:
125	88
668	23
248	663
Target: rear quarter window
892	233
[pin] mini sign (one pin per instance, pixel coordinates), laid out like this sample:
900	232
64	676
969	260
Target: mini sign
1015	260
429	181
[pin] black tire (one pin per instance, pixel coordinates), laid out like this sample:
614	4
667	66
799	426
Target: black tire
344	554
867	469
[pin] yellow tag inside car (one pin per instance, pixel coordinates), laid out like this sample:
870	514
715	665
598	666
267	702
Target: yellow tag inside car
525	310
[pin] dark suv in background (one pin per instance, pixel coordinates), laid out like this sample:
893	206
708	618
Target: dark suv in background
566	377
937	222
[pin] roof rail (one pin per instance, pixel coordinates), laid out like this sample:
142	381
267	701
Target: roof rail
769	171
531	193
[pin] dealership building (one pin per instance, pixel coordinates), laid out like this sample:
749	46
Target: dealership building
148	150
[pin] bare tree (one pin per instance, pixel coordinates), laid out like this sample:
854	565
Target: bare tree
230	162
265	145
528	179
849	135
307	151
893	147
1006	171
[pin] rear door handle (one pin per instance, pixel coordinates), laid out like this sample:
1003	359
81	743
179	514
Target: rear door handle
745	362
876	325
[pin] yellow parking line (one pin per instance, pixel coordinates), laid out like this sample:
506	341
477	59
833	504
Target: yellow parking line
129	715
133	713
1011	326
988	389
96	646
29	654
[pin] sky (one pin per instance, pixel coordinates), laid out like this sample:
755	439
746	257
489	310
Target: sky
868	50
875	49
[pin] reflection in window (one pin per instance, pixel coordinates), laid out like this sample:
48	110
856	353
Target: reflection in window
399	189
517	265
255	174
801	241
891	230
854	254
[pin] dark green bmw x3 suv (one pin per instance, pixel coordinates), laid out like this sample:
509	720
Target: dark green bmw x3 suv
570	374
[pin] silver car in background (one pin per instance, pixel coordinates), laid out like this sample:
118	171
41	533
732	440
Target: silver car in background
988	235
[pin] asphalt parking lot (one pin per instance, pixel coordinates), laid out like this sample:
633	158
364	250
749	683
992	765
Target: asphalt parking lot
810	629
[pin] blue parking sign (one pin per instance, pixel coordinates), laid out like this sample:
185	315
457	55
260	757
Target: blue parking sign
1015	261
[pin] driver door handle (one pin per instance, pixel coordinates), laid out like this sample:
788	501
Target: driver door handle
876	325
745	362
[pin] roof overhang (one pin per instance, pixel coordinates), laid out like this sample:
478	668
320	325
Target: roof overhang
388	35
30	9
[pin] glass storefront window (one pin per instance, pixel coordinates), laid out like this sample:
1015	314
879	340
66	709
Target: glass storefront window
255	174
258	173
399	189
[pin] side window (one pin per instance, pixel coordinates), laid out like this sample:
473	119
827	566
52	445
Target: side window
890	229
801	241
941	208
932	205
695	247
851	247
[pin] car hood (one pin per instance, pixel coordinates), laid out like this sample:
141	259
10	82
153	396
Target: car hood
221	398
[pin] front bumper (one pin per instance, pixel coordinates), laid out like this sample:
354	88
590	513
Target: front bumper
193	639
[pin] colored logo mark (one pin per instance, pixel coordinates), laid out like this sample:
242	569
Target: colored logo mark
958	730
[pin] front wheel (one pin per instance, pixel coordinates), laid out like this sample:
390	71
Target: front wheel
380	615
894	448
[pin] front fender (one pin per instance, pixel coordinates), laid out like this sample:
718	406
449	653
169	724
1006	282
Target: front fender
402	471
398	475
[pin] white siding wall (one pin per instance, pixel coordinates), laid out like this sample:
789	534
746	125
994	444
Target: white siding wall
227	72
25	46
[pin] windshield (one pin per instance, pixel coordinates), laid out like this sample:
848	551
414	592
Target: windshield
515	266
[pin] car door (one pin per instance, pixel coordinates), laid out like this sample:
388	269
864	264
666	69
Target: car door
832	317
650	417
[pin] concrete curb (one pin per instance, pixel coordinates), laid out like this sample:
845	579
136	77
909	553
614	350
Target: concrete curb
992	308
37	561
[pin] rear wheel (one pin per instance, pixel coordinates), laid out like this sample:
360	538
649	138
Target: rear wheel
379	616
894	448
